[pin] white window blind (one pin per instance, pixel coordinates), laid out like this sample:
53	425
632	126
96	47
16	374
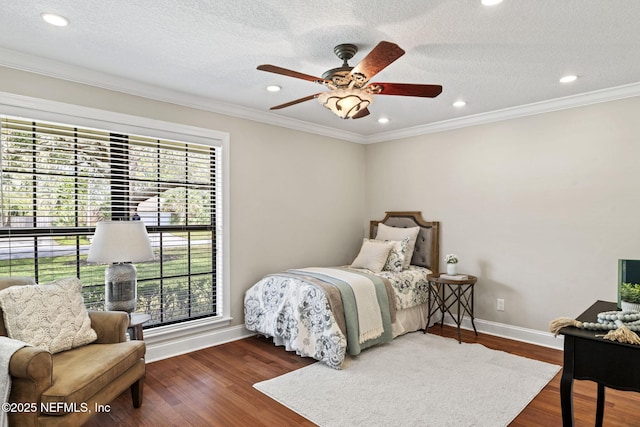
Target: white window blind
58	180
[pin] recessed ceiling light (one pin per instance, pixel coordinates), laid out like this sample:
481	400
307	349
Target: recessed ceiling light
491	2
568	79
383	120
459	104
273	88
53	19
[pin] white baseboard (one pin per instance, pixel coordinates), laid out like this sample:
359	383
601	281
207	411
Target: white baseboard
162	346
517	333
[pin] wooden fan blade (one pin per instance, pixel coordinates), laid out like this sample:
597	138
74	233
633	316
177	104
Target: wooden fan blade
297	101
361	113
406	89
378	59
289	73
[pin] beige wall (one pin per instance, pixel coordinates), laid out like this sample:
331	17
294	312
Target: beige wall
297	199
540	207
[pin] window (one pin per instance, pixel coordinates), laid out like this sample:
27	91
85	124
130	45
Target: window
58	180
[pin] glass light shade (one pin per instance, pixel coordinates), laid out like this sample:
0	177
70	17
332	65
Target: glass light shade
120	243
346	103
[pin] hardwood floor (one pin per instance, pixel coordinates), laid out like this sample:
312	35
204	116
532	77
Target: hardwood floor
214	387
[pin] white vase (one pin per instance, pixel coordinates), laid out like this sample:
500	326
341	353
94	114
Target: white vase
629	306
451	269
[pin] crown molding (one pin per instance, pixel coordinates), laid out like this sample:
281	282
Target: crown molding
75	74
55	69
579	100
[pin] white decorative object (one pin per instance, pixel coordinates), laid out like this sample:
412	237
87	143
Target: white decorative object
629	306
454	276
451	269
452	261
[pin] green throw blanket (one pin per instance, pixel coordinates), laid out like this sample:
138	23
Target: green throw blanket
384	295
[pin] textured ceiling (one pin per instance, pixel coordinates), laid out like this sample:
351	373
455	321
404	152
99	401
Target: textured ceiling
205	53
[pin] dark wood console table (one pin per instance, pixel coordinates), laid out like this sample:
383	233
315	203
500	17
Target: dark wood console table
587	356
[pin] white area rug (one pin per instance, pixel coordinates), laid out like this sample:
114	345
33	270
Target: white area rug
416	380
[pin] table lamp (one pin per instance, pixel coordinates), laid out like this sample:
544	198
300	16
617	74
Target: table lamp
120	243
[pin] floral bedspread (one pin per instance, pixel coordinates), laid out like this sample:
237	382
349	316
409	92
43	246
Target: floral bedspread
298	315
410	285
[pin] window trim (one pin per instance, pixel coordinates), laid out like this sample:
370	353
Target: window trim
53	111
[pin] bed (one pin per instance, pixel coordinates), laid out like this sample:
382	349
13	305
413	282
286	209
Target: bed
327	313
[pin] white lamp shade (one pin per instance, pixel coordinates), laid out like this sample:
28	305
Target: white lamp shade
120	241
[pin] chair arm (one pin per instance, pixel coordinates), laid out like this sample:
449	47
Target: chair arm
32	363
110	326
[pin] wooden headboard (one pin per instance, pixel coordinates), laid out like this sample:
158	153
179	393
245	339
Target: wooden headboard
427	250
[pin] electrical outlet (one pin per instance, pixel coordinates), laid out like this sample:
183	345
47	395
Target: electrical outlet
500	304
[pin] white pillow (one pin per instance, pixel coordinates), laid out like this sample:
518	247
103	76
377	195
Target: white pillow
396	233
373	255
52	317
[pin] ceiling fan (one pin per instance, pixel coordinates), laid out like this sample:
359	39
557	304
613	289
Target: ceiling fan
350	92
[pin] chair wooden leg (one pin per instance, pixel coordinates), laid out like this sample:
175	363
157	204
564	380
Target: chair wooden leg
136	392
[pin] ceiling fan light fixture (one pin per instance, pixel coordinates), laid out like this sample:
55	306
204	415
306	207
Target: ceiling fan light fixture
346	103
274	88
350	92
459	104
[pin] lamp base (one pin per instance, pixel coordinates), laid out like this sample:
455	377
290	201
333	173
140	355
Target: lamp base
120	286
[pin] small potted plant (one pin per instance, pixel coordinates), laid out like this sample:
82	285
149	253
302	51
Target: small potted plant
630	296
452	261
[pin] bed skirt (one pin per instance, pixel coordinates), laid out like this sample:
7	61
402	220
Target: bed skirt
411	319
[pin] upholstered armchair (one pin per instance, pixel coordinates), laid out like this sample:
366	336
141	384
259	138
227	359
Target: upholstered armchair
66	388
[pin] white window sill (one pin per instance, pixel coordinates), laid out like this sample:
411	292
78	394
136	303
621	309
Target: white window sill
183	329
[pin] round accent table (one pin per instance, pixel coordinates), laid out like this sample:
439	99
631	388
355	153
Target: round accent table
136	320
445	292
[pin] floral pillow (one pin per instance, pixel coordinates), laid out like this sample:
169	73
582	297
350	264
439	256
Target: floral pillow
397	255
386	232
